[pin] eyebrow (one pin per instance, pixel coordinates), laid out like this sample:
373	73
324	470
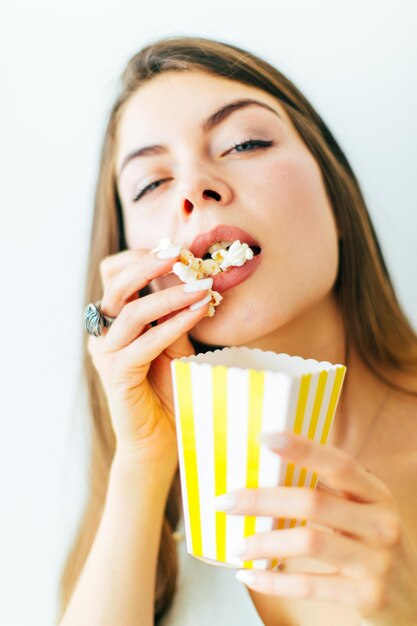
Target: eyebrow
207	125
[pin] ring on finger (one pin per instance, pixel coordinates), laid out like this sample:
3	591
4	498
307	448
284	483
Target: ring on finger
95	320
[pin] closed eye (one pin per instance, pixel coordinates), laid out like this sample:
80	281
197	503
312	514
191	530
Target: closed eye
149	187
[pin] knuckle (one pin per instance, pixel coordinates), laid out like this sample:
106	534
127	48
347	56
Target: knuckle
389	530
170	299
394	530
151	334
129	312
345	467
104	268
374	596
385	564
181	320
314	503
313	541
250	499
305	586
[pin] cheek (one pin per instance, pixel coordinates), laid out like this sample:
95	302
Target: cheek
136	238
294	206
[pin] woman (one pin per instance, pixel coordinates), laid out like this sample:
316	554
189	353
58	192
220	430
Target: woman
205	134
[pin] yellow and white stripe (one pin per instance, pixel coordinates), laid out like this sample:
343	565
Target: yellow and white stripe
217	406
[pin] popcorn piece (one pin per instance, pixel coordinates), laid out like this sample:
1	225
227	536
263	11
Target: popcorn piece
216	298
184	273
209	267
195	264
219	255
211	310
186	256
237	255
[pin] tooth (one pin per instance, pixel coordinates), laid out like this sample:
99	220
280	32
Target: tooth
218	246
214	248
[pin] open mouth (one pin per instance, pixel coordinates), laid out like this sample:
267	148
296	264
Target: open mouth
255	249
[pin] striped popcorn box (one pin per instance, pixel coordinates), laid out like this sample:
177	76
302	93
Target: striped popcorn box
223	400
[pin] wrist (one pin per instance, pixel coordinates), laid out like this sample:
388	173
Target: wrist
145	467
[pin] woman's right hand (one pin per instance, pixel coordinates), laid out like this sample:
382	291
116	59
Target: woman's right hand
133	358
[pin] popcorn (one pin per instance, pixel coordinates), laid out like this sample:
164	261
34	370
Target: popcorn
216	298
237	255
219	256
223	254
209	267
186	257
184	272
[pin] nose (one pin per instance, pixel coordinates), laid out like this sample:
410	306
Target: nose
202	190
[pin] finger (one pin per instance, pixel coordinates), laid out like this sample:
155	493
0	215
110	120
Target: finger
139	313
351	557
366	597
372	523
150	345
135	271
335	466
115	263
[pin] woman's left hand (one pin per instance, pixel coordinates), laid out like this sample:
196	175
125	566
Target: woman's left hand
376	564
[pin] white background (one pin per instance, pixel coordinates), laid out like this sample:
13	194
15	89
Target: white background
60	63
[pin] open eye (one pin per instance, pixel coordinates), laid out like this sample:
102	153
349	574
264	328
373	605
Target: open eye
249	143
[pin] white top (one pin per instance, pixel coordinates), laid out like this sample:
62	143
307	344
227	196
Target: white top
208	594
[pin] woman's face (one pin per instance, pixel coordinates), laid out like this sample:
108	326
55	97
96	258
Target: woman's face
274	193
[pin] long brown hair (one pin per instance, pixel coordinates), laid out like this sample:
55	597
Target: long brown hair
373	320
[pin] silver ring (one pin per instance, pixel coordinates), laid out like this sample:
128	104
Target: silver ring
95	320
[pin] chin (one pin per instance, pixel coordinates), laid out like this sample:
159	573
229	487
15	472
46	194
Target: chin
218	332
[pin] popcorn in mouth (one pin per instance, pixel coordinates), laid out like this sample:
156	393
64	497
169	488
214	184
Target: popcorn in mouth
219	257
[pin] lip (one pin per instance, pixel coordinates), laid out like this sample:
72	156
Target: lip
222	232
235	275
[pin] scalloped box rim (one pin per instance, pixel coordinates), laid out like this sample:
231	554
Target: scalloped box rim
307	366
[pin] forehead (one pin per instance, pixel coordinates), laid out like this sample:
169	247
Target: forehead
179	101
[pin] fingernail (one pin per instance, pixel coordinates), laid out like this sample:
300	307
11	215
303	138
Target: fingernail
274	439
239	549
198	285
200	303
226	502
169	253
246	576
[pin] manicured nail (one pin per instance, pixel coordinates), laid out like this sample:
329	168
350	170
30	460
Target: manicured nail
200	303
239	549
168	253
226	502
278	440
198	285
246	576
